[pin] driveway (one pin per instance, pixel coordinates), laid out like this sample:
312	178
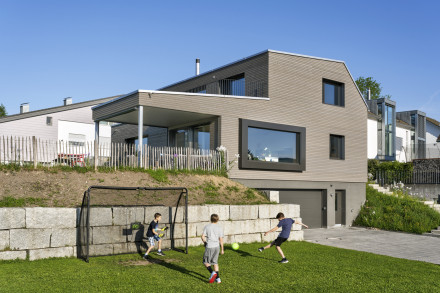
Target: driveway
395	244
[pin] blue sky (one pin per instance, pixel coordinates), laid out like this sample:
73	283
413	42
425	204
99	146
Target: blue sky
93	49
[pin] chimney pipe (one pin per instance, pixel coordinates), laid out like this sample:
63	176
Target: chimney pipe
67	101
24	108
197	66
368	94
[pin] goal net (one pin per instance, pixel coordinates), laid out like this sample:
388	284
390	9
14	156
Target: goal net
115	220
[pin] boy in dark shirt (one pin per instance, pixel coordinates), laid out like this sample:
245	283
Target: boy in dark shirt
153	236
286	226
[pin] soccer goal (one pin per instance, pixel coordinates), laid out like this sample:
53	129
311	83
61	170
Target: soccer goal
114	220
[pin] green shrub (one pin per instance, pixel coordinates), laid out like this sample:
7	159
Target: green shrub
396	213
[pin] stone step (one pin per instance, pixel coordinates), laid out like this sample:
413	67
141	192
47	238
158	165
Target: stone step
431	235
435	232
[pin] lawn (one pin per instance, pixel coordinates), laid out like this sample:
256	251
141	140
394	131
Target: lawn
312	267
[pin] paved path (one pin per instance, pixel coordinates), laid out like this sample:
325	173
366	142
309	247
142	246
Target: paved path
395	244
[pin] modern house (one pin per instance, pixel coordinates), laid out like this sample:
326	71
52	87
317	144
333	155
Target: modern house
395	135
298	123
432	138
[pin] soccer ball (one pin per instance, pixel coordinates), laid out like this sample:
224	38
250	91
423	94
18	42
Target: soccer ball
235	246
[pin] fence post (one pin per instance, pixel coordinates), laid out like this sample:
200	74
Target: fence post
34	150
96	154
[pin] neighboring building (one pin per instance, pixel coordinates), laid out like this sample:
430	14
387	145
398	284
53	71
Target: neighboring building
71	125
298	123
392	135
432	138
382	129
416	148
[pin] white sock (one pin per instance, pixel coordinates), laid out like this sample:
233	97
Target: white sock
159	250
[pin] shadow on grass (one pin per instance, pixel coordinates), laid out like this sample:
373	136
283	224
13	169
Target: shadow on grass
180	269
247	254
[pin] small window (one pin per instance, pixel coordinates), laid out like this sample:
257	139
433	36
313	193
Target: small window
337	147
333	93
49	121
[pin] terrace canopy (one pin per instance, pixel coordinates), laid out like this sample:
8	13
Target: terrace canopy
168	109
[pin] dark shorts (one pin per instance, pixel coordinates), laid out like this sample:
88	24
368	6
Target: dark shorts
278	241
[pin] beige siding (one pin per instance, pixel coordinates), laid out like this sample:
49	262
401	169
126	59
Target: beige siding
295	92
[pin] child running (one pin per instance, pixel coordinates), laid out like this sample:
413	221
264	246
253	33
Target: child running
286	226
212	237
153	236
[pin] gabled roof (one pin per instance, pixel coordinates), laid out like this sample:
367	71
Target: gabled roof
272	51
56	109
433	121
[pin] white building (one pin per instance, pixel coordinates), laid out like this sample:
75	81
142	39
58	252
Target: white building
63	129
432	138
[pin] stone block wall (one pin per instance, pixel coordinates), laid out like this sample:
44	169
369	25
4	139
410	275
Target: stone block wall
37	233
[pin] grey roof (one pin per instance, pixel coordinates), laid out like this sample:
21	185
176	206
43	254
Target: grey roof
56	109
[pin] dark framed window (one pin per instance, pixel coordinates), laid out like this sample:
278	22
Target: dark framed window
337	147
333	93
48	120
270	146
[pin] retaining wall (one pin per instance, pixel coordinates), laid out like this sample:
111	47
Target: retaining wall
37	233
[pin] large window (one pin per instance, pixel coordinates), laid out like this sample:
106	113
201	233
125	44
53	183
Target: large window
333	93
271	146
337	147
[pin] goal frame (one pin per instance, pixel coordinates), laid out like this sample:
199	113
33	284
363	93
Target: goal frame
86	202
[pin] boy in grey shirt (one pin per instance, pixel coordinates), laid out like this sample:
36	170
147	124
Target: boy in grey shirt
212	237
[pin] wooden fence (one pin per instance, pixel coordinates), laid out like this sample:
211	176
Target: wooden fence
35	151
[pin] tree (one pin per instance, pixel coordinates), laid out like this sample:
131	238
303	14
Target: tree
369	83
3	112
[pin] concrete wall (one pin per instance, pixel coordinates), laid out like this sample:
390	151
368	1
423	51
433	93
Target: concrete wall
36	233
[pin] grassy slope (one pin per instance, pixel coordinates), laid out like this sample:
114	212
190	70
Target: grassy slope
312	268
64	187
396	213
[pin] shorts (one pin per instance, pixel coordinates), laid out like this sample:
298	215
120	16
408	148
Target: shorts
153	240
211	255
278	241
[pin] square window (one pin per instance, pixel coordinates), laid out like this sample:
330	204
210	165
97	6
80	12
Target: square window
270	146
333	93
337	147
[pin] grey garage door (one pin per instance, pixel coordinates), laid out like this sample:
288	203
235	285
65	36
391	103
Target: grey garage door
311	202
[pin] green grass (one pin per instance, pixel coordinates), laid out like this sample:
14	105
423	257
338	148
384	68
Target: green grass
396	213
312	268
9	201
160	175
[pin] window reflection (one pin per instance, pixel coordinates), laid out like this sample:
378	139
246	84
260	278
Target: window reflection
272	145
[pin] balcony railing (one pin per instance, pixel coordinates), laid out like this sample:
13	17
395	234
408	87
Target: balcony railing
233	87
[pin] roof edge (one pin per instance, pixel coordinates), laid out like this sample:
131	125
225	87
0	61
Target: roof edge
180	93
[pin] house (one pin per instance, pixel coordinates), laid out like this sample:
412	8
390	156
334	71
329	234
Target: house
432	138
298	123
395	135
70	125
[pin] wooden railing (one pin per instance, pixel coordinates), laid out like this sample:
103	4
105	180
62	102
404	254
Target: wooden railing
35	151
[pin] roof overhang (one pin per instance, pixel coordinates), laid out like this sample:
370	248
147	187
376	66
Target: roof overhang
167	109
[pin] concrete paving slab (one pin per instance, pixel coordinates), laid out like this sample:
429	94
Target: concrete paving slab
395	244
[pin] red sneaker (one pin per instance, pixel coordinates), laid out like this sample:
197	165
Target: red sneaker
213	277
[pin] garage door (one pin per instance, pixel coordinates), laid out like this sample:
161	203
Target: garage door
311	202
